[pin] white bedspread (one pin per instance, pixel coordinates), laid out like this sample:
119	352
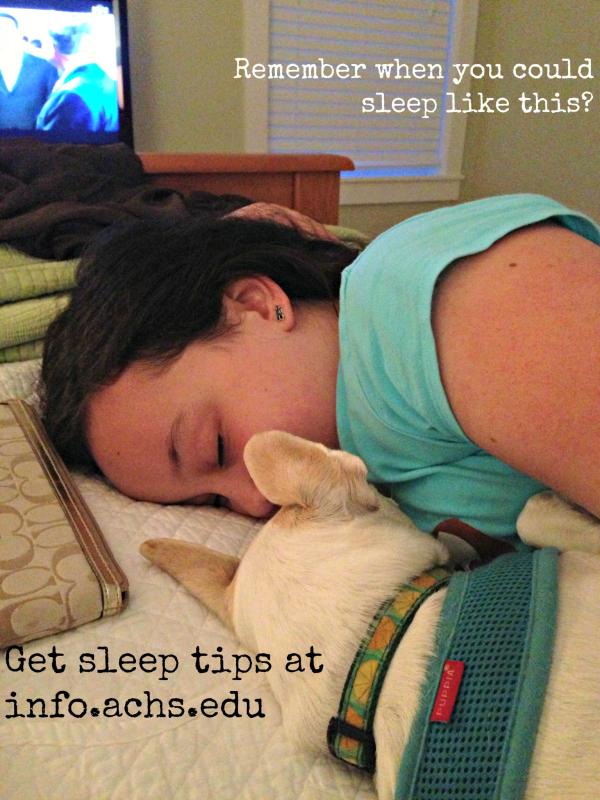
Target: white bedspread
148	756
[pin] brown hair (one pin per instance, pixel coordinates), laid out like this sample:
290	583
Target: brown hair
147	290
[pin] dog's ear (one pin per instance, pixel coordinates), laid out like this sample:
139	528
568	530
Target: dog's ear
290	471
208	575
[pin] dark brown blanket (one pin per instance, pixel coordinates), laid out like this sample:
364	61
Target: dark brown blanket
54	198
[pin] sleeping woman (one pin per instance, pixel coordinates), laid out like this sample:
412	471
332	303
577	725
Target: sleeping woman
458	356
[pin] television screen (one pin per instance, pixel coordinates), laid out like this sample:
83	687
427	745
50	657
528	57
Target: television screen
64	71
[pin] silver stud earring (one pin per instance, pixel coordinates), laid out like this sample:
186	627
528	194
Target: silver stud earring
279	313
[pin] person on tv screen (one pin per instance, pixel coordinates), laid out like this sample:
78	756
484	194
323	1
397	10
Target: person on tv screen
26	81
85	96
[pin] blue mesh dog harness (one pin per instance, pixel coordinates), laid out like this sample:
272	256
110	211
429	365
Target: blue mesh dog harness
499	620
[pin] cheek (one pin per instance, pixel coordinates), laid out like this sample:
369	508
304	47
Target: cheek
253	412
274	405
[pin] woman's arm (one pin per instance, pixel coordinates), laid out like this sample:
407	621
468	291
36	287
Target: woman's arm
517	331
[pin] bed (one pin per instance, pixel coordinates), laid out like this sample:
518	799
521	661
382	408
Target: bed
307	183
146	754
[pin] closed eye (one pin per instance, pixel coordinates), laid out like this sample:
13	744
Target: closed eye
219	500
173	443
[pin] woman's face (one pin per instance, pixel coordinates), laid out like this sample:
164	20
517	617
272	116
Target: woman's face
177	434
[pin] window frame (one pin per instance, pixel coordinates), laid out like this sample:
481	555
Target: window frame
365	190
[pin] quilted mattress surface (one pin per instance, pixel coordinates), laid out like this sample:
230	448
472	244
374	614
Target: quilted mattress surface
149	752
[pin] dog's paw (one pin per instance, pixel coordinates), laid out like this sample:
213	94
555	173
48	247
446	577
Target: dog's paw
548	520
205	573
149	547
161	552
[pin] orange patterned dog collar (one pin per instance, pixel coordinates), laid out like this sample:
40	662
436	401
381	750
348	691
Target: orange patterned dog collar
350	734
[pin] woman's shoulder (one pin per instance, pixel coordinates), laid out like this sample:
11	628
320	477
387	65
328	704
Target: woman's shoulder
517	334
409	257
478	223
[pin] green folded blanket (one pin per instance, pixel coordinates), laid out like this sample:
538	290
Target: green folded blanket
350	236
33	291
22	352
23	277
28	320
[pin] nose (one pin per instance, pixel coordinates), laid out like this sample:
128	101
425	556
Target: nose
244	498
258	507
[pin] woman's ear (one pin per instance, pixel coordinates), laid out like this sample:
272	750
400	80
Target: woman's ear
259	295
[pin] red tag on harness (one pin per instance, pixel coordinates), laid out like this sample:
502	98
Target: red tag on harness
447	692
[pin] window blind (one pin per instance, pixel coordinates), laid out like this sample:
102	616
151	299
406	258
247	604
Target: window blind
409	40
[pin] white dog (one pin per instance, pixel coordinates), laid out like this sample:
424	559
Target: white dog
317	572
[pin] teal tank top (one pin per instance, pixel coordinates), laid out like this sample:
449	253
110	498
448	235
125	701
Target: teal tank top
392	410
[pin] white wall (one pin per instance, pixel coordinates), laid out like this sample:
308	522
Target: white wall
185	97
